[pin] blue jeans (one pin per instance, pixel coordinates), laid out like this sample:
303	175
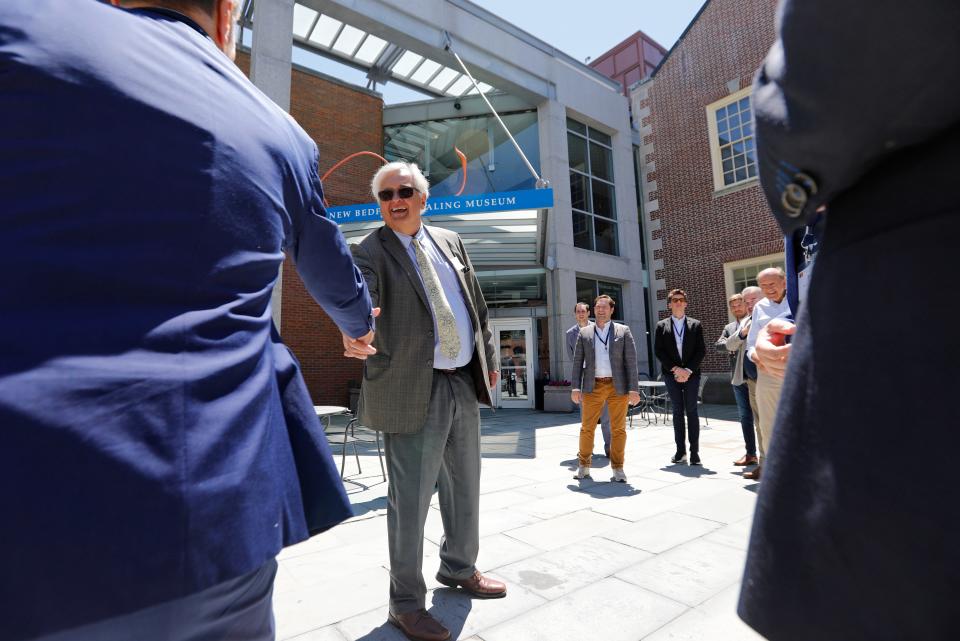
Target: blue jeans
683	398
742	394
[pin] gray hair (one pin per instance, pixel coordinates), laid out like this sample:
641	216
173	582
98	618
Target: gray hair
753	289
419	181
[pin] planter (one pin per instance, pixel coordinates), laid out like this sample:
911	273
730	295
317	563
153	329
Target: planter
557	399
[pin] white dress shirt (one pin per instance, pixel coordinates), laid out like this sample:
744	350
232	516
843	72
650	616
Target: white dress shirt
679	329
601	350
763	312
450	283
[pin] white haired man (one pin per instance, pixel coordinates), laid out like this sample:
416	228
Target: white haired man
774	307
435	360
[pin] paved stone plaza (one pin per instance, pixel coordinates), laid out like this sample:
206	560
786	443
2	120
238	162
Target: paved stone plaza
658	558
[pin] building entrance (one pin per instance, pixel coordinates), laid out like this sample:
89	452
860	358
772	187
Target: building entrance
514	339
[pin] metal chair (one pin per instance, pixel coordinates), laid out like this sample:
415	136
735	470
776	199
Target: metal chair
351	429
703	382
662	401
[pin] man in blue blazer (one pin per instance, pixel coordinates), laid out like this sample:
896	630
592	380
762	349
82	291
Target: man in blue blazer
856	529
159	445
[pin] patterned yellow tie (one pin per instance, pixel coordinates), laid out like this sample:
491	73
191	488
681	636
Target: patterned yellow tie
446	323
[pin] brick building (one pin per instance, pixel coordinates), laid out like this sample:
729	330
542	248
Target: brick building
631	61
708	227
341	119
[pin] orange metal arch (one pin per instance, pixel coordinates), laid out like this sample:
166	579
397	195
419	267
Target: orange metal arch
460	154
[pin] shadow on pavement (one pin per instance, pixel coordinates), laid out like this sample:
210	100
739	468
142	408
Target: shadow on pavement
598	461
379	503
690	471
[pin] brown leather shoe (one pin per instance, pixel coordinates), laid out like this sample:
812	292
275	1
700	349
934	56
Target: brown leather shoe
419	626
754	474
478	585
746	459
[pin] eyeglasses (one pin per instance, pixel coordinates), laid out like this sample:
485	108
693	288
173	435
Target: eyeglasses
678	300
402	192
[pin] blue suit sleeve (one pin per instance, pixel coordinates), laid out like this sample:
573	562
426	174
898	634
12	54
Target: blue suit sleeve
836	95
326	266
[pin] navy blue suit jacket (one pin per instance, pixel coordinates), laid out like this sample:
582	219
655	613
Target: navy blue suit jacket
848	543
151	422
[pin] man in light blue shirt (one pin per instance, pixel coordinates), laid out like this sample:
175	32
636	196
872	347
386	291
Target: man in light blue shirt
773	282
435	361
451	292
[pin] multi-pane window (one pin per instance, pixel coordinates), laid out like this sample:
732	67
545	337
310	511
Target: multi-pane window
588	289
747	276
731	140
591	188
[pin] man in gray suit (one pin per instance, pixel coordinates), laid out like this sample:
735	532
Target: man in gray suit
733	341
435	360
581	312
604	371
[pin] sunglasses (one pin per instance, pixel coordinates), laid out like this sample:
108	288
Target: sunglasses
402	192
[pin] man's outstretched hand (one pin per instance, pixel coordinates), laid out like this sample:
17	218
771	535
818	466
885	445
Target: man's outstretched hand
360	347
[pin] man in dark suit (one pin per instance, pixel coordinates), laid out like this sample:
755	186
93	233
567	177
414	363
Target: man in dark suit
846	544
680	348
604	373
435	362
150	415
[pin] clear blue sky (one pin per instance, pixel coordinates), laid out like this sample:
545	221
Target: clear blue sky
583	29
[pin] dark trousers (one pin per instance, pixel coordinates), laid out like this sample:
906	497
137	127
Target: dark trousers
742	394
239	609
683	398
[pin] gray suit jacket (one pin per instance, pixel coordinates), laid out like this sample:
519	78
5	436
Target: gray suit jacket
731	343
623	360
397	379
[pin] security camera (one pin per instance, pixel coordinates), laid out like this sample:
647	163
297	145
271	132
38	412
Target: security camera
456	105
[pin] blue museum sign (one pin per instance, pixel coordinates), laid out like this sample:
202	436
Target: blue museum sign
446	205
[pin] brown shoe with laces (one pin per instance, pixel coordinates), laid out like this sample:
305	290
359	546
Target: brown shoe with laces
754	474
418	625
745	460
478	585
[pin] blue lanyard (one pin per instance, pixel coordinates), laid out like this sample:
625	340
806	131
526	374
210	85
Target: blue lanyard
603	341
680	333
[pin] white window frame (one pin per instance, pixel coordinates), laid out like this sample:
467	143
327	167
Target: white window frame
714	136
728	269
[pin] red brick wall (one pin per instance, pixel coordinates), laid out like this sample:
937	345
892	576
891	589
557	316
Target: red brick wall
701	231
341	120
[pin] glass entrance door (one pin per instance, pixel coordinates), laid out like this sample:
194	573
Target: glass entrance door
513	338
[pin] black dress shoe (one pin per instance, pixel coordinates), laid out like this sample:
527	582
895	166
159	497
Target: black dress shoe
679	457
695	459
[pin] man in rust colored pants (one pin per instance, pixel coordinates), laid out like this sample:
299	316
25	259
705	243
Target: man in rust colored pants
604	371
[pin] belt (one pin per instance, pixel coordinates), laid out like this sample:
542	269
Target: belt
454	370
606	379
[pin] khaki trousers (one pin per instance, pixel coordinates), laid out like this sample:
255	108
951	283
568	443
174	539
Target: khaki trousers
752	387
768	397
592	403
